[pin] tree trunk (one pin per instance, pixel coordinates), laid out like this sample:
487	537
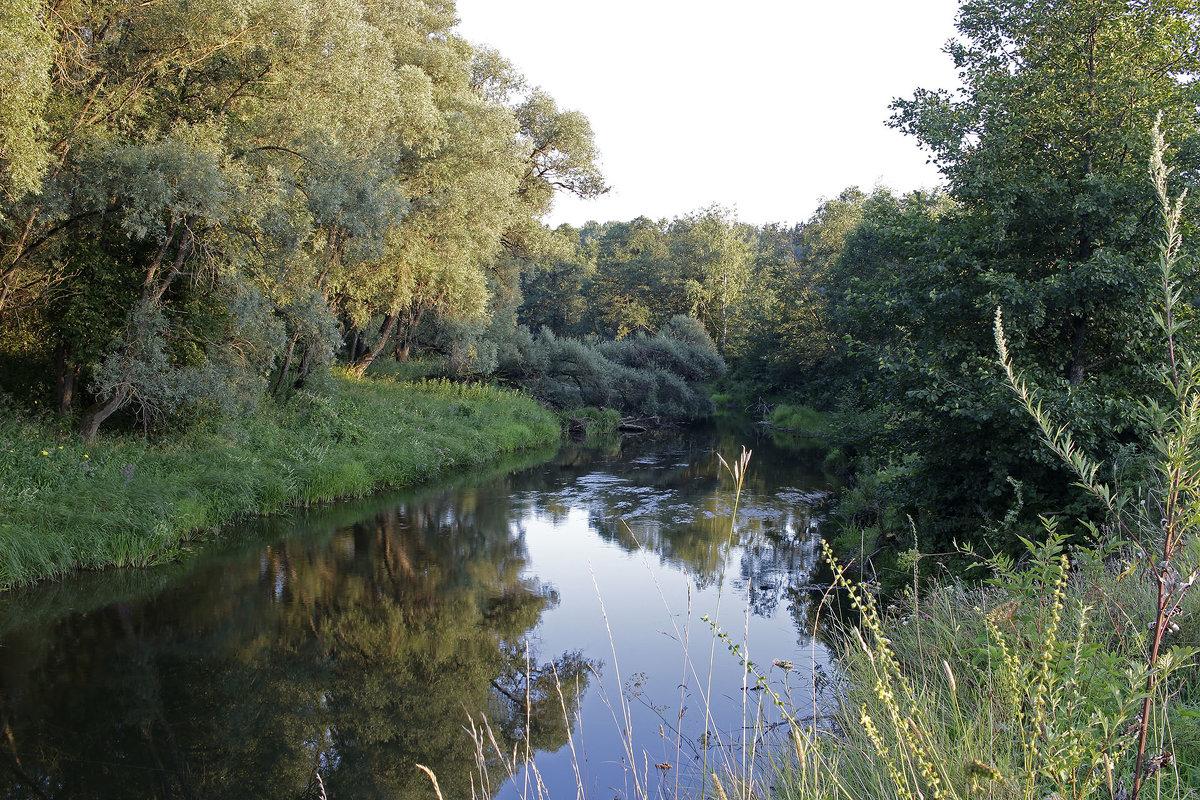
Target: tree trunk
389	324
66	378
1078	351
94	417
287	364
304	368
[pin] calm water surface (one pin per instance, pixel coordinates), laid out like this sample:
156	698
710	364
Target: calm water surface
558	607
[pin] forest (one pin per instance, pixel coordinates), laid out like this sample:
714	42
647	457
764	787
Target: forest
248	223
203	211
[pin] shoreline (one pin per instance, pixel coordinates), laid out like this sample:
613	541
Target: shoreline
128	501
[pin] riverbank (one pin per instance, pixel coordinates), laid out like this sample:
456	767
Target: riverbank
1029	685
129	501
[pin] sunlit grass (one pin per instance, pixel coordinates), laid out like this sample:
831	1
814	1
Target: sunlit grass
126	501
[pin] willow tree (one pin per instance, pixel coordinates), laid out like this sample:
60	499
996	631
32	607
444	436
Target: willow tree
245	151
198	200
479	194
25	62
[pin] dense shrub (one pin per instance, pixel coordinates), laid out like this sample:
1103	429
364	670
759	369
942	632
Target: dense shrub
661	375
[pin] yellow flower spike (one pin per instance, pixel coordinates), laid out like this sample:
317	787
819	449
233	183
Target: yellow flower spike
45	453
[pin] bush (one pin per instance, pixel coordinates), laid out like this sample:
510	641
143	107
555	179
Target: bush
661	375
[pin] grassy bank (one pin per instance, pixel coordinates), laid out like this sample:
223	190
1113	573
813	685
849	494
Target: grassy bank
1026	687
126	501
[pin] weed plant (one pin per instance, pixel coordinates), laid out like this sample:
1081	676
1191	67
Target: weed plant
127	501
1045	682
1028	686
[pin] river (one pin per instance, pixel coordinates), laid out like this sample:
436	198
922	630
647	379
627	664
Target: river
591	608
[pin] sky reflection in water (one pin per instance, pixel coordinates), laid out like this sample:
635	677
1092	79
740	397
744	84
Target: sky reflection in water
363	642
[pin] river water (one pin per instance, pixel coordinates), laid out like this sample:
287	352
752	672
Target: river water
593	610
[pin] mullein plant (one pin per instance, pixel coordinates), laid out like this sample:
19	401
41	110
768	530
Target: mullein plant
1160	528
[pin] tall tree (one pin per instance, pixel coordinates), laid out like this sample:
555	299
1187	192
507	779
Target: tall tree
1049	214
629	287
196	197
1047	142
711	253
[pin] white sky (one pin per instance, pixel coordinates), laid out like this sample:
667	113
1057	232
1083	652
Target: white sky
765	106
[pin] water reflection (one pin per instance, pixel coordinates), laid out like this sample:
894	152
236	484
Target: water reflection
356	641
357	652
674	499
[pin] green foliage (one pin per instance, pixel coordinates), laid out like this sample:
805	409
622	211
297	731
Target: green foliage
239	187
1010	691
1037	702
664	375
1169	510
799	419
621	278
599	420
25	61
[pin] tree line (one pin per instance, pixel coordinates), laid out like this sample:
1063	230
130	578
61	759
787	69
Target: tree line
880	305
203	204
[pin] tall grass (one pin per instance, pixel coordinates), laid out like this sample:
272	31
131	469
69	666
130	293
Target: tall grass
1029	687
127	501
1047	682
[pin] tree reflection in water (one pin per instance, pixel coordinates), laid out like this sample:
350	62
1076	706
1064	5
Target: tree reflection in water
678	507
357	641
357	655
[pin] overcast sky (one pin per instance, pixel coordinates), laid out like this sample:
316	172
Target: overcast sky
765	106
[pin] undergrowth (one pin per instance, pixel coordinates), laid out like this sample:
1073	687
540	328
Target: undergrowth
1028	686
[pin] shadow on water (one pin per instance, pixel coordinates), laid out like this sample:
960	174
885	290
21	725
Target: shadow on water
354	640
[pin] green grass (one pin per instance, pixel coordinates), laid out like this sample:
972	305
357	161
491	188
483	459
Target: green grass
126	501
799	419
1022	689
600	422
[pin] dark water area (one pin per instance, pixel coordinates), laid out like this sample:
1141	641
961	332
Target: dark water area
556	608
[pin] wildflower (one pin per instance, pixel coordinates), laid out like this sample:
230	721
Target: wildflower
45	453
85	455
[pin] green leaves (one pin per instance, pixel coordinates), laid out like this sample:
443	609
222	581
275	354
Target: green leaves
26	53
338	160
